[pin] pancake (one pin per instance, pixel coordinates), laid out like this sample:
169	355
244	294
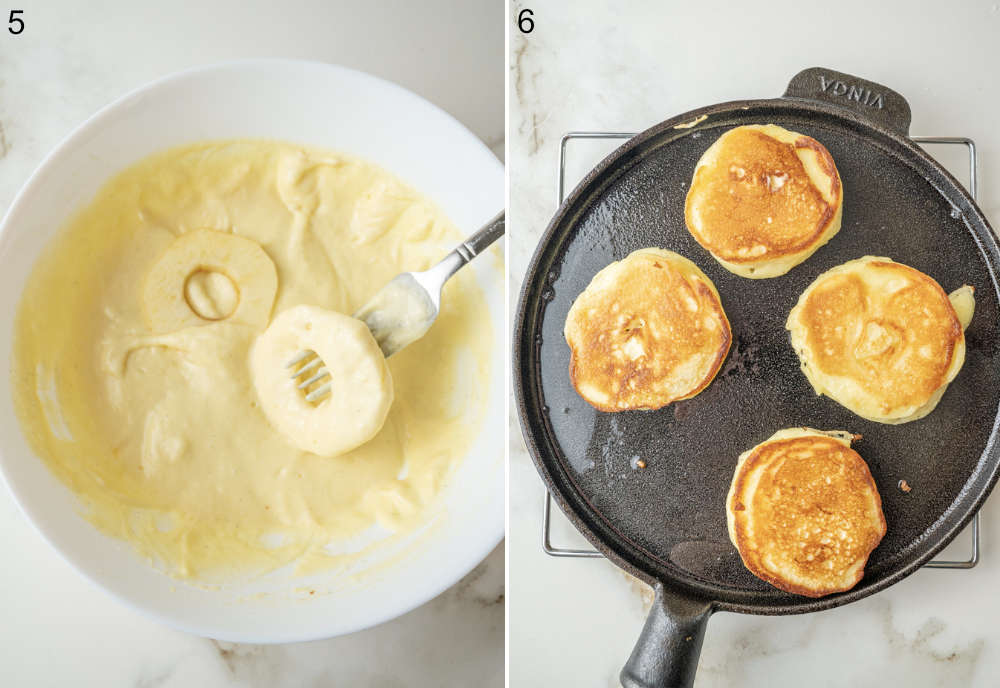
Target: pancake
881	338
647	331
804	512
763	199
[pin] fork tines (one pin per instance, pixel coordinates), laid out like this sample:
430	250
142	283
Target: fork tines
304	363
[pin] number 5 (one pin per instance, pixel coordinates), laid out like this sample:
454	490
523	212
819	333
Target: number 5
15	20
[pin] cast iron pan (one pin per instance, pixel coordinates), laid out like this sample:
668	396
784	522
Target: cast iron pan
666	523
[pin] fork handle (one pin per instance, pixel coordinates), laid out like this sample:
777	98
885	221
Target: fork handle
470	248
478	242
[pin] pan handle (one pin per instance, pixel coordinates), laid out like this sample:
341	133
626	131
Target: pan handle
666	654
866	98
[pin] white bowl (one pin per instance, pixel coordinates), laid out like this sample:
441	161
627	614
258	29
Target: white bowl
303	102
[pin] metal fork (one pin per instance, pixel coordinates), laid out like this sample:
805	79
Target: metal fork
422	291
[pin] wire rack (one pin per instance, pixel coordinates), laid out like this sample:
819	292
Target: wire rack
556	551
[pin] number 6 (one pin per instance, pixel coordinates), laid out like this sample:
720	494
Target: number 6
524	19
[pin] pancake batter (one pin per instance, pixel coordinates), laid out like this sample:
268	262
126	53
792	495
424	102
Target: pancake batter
149	413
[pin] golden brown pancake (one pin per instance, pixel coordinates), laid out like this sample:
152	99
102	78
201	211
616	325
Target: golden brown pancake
763	199
804	512
647	331
880	338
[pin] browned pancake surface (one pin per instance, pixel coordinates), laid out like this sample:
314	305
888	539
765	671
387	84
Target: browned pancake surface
813	518
757	201
896	345
650	332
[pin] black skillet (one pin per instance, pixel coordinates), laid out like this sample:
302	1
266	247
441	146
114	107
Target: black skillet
665	523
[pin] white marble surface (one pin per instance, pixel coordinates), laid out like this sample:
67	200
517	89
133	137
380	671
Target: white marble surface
74	57
600	65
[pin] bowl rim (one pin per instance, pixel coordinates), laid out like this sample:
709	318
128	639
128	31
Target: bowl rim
492	536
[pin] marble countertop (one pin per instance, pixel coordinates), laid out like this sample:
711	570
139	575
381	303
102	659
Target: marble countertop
597	65
73	58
